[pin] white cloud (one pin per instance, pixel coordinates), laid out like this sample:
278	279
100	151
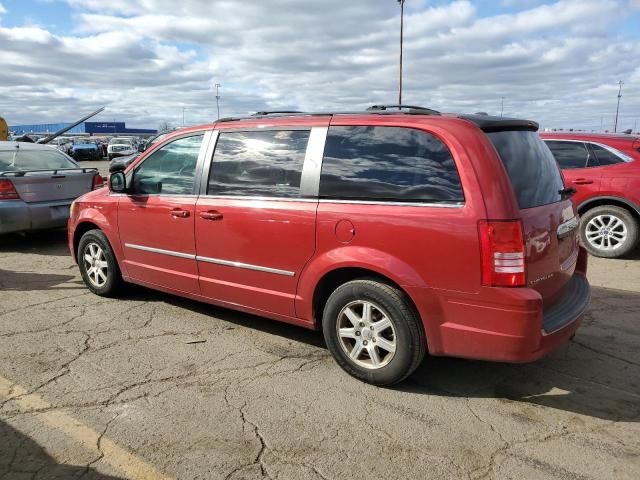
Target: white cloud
555	63
2	9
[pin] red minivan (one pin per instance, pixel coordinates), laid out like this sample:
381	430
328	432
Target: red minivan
395	232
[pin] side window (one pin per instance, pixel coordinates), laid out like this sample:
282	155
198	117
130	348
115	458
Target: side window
604	156
388	164
569	154
264	163
170	170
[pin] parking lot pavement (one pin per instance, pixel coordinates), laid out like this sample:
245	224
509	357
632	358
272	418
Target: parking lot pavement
102	166
116	389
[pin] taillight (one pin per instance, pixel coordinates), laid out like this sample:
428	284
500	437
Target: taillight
7	190
98	181
503	262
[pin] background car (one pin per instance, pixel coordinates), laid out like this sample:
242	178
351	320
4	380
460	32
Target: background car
120	147
85	149
38	184
605	171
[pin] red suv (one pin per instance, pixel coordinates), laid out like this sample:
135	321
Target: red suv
395	232
605	171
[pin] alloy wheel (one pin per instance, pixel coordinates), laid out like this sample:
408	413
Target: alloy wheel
366	334
606	232
95	264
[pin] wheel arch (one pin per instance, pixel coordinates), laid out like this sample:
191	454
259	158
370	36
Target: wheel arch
82	228
341	275
609	200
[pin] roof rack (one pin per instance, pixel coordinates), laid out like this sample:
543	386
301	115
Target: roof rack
265	113
375	110
409	109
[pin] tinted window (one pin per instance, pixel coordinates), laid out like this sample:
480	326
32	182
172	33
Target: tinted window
24	159
267	163
604	156
533	170
569	154
388	164
169	170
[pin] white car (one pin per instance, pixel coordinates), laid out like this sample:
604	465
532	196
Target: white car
63	144
120	147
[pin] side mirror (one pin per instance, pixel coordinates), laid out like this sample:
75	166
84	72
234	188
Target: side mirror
141	147
118	182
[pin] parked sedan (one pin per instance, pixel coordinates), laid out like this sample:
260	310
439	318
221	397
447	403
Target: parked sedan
605	171
38	183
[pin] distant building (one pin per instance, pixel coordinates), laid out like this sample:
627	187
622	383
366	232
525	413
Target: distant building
91	128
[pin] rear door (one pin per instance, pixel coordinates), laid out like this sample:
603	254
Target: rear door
255	222
579	166
549	220
156	219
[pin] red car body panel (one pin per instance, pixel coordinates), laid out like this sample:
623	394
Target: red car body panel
431	252
620	181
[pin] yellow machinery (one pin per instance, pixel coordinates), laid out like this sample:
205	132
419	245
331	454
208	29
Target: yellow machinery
4	130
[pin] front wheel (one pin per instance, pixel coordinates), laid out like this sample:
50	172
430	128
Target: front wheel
373	332
609	231
98	265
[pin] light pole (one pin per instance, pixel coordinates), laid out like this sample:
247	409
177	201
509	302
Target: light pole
217	85
615	127
183	115
501	106
401	2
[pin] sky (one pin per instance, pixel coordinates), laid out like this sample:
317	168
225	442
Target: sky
150	61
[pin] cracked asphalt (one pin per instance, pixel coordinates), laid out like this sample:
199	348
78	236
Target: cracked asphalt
105	389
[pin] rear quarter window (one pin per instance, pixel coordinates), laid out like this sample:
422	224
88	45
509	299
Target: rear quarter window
388	164
531	167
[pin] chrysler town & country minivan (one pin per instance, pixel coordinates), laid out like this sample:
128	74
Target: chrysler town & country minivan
394	232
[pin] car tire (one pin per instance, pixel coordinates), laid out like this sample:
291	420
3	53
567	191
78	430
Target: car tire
98	265
609	231
397	349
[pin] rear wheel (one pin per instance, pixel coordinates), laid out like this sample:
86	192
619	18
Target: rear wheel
609	231
98	265
373	332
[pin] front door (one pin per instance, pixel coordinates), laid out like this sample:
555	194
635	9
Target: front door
255	227
156	218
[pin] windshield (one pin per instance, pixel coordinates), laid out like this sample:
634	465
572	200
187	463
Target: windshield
532	168
20	159
120	141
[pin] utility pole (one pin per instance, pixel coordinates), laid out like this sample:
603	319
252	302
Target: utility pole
502	106
401	2
217	85
615	127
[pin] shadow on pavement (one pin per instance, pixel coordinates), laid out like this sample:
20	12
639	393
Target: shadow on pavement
45	242
592	376
22	457
26	281
596	375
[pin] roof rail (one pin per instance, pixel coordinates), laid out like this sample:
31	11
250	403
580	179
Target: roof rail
409	108
264	113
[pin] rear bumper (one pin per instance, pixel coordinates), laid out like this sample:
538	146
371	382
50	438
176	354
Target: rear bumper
19	216
507	325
